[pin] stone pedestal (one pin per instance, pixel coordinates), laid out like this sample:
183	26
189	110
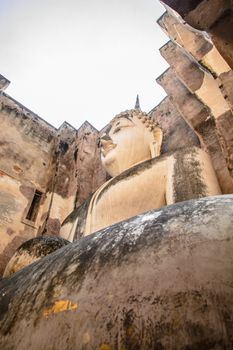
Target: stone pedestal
161	280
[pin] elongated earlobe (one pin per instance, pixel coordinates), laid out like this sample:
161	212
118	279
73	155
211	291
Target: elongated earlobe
155	146
154	149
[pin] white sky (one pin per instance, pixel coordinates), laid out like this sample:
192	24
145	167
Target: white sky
78	60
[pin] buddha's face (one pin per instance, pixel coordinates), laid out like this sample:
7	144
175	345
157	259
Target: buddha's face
126	143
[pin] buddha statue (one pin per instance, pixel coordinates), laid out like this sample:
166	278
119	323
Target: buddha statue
160	280
141	178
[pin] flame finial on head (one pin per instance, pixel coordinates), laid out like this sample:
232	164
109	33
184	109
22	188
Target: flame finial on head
137	104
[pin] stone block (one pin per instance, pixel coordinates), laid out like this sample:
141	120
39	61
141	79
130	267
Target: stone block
161	280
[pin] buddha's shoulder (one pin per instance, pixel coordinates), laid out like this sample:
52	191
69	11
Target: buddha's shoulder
158	162
77	220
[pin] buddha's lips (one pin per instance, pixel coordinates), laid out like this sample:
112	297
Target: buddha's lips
107	146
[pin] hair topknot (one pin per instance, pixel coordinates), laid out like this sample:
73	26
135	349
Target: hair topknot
149	122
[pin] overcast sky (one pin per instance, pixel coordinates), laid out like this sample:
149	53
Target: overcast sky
78	60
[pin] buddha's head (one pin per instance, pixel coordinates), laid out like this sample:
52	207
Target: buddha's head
130	138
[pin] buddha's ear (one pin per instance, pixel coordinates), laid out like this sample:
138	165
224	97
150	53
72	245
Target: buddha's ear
155	146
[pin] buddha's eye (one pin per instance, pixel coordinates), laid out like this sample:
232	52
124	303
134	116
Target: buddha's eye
117	128
122	123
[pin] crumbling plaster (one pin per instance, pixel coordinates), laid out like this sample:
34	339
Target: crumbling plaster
35	156
64	164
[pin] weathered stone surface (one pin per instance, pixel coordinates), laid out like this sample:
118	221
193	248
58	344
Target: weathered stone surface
226	86
25	165
187	69
191	40
225	126
26	143
31	251
200	14
182	7
77	173
196	79
216	9
11	246
89	170
198	45
176	132
222	36
162	280
36	158
199	118
206	89
213	16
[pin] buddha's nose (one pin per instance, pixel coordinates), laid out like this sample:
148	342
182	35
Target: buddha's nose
105	137
104	140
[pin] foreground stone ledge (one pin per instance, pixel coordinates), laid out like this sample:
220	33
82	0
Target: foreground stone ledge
162	280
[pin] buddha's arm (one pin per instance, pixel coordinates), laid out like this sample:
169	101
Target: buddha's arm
190	175
73	226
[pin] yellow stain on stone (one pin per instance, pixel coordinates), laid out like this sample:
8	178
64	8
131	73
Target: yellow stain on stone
105	347
60	306
86	338
57	292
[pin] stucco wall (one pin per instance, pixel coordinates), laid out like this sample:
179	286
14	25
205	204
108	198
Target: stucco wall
35	156
27	144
